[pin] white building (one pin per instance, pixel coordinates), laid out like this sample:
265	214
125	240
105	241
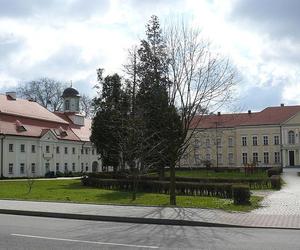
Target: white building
34	141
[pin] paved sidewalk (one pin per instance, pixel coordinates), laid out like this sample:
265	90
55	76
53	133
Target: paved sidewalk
281	210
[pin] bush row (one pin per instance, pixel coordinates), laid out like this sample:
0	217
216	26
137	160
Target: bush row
222	190
254	183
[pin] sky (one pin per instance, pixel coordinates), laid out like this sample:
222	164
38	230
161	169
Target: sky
69	39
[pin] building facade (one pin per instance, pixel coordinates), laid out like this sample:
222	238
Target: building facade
266	138
34	141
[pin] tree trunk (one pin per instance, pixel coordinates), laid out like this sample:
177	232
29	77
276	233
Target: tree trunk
172	185
134	184
161	173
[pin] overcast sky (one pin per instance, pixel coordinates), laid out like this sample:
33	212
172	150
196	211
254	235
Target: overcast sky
69	39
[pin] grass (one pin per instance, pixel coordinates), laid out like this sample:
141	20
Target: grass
73	191
213	174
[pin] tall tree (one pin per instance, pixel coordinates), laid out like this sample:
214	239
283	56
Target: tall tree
107	123
46	91
152	96
200	79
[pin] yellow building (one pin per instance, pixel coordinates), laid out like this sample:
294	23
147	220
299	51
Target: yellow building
267	138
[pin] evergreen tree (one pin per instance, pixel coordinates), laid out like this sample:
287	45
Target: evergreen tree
161	120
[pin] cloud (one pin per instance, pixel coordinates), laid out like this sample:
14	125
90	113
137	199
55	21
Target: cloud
67	9
278	18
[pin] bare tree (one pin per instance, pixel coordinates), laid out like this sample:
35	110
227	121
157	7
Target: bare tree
30	179
46	91
86	106
200	80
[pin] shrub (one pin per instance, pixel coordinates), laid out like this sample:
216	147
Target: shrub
298	173
274	171
241	194
59	174
50	174
275	182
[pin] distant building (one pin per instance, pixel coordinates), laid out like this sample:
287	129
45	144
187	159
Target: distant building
270	137
34	141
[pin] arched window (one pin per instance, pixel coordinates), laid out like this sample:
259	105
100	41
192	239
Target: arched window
67	105
291	137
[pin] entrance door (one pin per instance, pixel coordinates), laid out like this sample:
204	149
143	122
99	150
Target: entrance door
292	158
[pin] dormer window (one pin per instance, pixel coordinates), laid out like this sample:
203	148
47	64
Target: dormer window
62	132
20	127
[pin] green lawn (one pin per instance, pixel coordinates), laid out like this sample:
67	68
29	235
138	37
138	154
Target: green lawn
73	191
213	174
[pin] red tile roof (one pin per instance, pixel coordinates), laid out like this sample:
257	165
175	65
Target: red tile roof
34	127
268	116
83	132
35	121
25	108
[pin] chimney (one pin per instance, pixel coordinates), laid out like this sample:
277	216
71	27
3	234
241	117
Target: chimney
11	95
219	113
282	105
249	112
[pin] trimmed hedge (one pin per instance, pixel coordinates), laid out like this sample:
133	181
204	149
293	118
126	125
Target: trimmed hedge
254	183
241	194
222	190
274	171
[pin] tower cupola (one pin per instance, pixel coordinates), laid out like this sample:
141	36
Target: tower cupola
71	100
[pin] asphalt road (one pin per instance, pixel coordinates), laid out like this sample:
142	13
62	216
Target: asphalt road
24	232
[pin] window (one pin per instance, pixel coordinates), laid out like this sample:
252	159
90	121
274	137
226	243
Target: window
73	167
207	157
219	142
10	168
73	151
11	147
66	167
81	166
197	143
93	151
57	167
47	149
220	158
67	105
254	140
197	159
244	158
230	158
66	150
33	168
291	137
207	143
255	157
82	152
266	140
86	151
57	150
276	140
32	148
244	141
47	167
266	157
276	157
86	167
22	148
22	168
230	142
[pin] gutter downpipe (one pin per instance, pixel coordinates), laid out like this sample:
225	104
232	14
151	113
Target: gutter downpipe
281	143
2	150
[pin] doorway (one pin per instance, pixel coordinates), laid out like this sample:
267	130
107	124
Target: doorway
292	158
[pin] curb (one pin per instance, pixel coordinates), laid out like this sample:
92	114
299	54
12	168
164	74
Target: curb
139	220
